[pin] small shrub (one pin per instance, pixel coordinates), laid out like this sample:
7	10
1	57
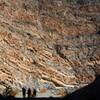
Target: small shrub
13	93
8	91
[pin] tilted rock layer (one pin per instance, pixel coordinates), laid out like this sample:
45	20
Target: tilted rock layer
48	44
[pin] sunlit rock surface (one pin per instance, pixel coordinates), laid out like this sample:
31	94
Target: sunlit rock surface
50	45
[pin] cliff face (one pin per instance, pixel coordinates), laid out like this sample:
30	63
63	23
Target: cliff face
51	45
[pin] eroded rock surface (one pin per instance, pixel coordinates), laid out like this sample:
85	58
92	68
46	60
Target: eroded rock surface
52	45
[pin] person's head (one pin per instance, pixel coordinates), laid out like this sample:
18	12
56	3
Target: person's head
23	88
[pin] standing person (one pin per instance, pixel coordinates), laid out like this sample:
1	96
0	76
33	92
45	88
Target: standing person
29	93
34	92
24	92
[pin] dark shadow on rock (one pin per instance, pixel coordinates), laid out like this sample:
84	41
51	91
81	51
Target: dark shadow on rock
98	32
7	98
89	92
1	97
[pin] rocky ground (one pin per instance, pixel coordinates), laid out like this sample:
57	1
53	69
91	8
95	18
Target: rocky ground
50	45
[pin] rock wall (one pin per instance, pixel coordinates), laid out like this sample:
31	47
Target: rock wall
52	45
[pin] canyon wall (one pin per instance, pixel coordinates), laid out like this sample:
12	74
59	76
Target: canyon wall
51	45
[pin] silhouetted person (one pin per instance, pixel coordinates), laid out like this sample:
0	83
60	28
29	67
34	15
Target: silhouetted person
24	92
34	92
29	93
